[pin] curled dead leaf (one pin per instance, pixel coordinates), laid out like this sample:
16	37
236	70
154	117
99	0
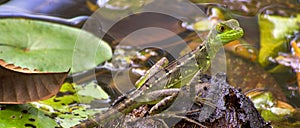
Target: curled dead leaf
18	86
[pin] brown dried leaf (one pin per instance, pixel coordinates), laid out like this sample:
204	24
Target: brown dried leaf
19	86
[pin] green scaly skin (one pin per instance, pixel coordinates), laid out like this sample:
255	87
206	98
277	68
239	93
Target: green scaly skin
176	74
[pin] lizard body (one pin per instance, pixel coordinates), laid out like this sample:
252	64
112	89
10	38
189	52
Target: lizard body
178	72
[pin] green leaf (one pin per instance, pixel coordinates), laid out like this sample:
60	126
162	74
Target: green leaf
20	116
91	90
269	116
66	109
274	31
61	103
71	93
49	47
69	120
71	105
263	100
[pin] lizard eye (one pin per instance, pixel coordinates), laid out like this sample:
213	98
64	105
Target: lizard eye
220	28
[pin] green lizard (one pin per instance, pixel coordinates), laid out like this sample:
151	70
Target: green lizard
175	74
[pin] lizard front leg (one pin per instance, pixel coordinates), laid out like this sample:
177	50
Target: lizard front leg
167	97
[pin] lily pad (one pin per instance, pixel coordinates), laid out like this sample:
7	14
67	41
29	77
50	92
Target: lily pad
71	105
49	47
21	116
270	108
274	31
71	94
66	109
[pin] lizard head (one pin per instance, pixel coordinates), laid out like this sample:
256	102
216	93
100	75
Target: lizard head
227	31
223	33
